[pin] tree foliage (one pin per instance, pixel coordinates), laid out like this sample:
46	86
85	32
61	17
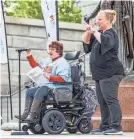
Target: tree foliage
32	9
26	9
69	13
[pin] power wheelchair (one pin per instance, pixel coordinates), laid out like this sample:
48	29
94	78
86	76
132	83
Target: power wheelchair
67	108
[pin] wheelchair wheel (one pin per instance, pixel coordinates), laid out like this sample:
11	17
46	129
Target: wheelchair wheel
85	126
72	130
36	128
25	128
54	122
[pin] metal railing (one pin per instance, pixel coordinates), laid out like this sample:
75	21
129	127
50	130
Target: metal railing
7	97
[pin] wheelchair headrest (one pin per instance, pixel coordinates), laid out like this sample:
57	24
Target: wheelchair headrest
72	55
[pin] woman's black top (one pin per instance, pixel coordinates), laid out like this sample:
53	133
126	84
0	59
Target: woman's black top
104	61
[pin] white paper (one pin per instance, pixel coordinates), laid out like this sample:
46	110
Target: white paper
37	76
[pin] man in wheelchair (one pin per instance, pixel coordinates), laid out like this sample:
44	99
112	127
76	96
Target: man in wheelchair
73	102
56	69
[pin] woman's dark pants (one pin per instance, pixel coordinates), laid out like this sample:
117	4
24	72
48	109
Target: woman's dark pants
107	93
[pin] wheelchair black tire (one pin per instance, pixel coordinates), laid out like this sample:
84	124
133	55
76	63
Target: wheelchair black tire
57	115
25	128
87	129
72	131
32	129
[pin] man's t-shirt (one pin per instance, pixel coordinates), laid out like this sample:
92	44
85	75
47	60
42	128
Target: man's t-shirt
104	61
60	67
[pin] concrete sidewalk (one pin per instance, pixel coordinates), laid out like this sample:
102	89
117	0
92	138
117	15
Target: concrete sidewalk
65	135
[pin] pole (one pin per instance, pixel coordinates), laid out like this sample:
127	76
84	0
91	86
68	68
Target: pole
8	64
19	54
1	111
57	20
19	76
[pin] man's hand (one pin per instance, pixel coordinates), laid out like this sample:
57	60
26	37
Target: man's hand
48	69
28	52
46	75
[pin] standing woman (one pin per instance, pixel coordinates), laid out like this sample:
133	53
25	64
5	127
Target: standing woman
106	69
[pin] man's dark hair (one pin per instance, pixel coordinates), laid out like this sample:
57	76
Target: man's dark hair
58	46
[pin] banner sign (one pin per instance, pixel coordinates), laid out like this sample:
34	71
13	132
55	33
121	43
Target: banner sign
50	18
3	45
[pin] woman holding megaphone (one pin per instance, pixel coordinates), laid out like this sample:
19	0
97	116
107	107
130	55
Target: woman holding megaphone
102	41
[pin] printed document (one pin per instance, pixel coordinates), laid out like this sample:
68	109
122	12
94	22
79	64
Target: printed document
37	76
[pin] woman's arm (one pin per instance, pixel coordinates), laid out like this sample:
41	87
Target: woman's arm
97	35
93	28
86	37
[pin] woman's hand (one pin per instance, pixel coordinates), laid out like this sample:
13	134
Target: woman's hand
87	27
88	31
93	26
92	23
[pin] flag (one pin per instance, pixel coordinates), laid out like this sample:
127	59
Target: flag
3	44
50	15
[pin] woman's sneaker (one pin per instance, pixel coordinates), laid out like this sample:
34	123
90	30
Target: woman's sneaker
97	131
112	131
